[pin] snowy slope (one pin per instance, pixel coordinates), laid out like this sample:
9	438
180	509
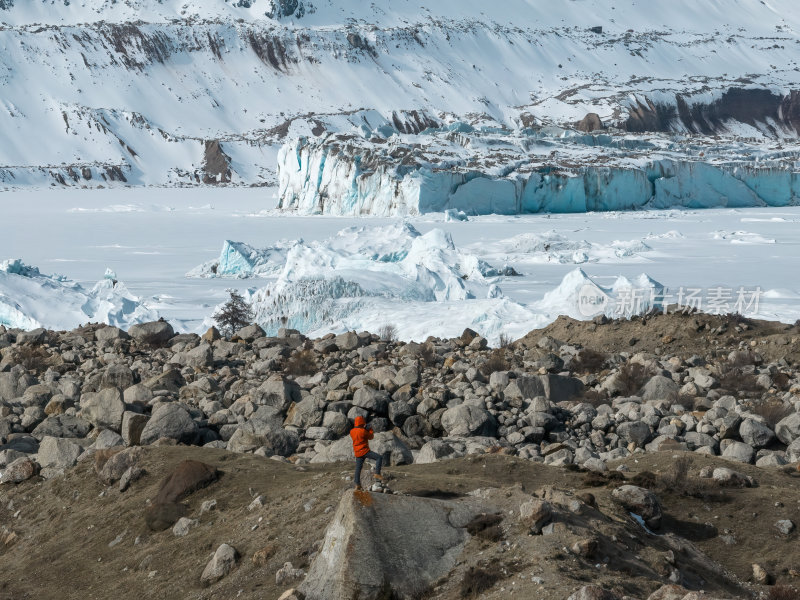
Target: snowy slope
137	91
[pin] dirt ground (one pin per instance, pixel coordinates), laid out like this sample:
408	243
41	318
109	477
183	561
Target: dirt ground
65	528
678	334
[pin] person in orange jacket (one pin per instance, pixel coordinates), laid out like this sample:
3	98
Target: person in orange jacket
361	436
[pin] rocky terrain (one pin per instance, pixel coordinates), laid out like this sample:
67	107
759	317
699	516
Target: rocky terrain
627	454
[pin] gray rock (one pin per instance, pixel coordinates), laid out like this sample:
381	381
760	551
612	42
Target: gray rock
107	439
336	422
155	333
34	336
422	536
788	429
347	341
62	426
639	501
318	433
785	526
793	451
729	477
250	333
376	401
138	394
595	592
660	388
20	470
756	434
560	389
182	527
637	432
466	420
109	334
58	453
434	451
132	426
104	408
220	565
117	376
170	421
304	414
407	376
277	392
393	450
119	463
739	451
695	439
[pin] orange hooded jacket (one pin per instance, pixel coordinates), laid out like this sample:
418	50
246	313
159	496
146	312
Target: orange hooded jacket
361	436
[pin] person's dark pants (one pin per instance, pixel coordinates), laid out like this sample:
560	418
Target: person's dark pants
360	463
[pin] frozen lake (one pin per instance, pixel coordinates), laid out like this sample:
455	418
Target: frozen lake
151	237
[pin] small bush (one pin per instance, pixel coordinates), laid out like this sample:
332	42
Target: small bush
783	592
773	411
302	362
388	333
486	526
735	380
504	341
676	478
633	376
589	361
234	314
645	479
476	581
496	362
595	398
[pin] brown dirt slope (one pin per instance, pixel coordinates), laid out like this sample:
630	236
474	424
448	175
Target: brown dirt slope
65	528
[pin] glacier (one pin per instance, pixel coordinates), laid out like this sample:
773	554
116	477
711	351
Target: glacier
30	299
516	173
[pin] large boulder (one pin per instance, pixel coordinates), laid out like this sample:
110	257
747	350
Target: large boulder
755	434
20	470
277	392
62	426
639	501
110	465
661	388
222	563
636	432
155	333
169	420
58	453
118	376
400	544
104	408
788	429
466	420
559	389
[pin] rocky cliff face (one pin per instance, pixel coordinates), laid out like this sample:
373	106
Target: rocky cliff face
140	87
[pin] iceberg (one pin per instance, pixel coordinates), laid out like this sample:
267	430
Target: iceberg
366	273
30	299
239	260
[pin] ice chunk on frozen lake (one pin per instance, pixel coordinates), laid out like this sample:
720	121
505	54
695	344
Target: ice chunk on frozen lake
30	299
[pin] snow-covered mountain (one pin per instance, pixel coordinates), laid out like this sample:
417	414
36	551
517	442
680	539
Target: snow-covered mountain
154	92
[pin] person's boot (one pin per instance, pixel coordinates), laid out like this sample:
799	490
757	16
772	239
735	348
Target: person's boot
378	477
359	488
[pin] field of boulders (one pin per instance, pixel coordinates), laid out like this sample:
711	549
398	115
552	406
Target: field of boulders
707	403
64	394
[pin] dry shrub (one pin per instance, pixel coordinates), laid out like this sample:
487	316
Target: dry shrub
633	376
476	581
505	340
773	411
589	361
783	592
388	333
302	362
594	397
427	355
781	381
486	527
496	362
645	479
677	477
734	379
